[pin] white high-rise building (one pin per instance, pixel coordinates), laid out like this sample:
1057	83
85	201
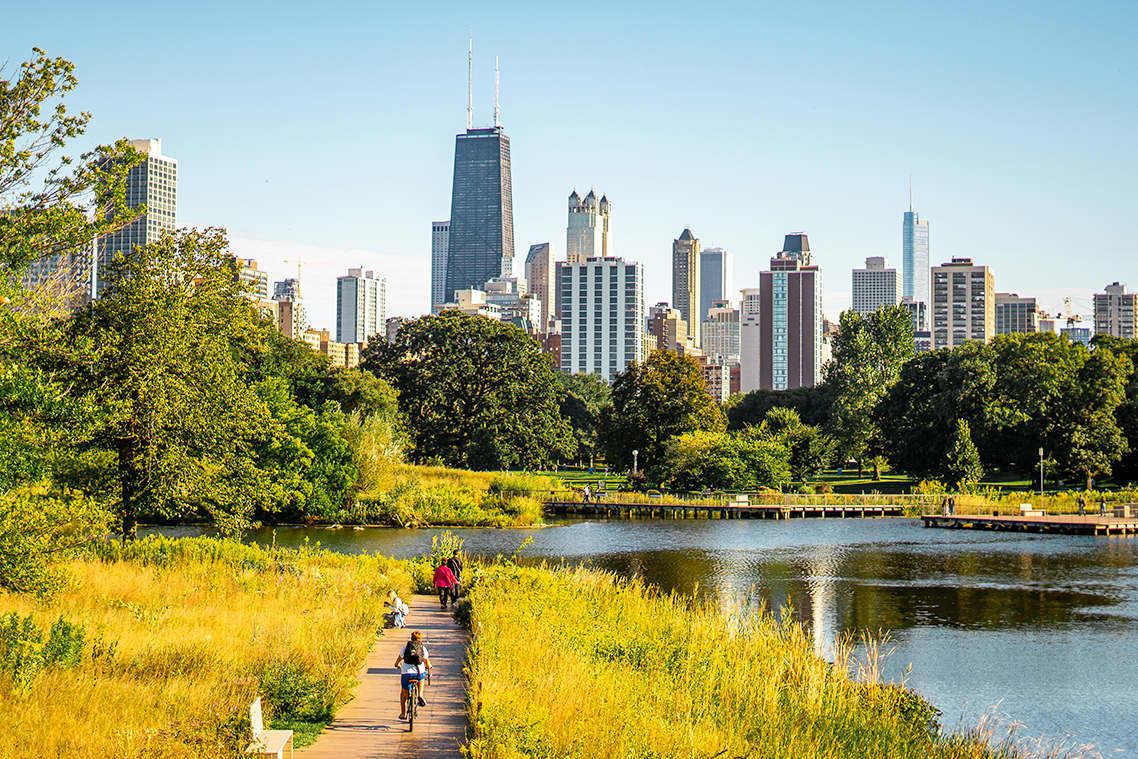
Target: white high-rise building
361	306
721	332
875	286
440	245
749	340
602	316
716	278
588	234
915	257
1114	312
541	273
153	182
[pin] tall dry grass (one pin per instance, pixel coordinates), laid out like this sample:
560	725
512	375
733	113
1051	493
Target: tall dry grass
183	634
572	663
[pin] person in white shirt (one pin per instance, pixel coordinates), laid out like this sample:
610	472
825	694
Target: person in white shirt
415	662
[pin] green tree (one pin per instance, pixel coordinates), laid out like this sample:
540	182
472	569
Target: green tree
812	404
809	449
358	390
474	392
1126	469
652	402
721	461
580	398
961	466
1090	439
868	353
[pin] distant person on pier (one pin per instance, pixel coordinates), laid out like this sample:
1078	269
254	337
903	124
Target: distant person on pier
586	494
1102	506
444	581
455	564
951	505
1082	506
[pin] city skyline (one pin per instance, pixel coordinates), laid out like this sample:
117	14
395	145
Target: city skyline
996	118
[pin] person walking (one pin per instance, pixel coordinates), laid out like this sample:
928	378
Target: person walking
951	505
444	581
455	564
586	492
414	662
1082	506
1102	506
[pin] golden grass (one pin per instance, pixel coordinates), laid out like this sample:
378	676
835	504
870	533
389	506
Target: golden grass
571	663
182	635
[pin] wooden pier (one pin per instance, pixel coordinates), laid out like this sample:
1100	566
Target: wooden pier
1058	524
725	510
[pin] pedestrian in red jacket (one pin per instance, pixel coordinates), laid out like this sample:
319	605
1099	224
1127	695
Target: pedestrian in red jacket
445	581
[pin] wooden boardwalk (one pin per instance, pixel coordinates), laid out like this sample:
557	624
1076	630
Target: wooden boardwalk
725	510
1060	524
369	725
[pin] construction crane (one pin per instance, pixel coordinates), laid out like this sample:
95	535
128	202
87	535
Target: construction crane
300	262
1069	314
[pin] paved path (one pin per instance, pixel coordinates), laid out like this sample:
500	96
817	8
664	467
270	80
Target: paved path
369	726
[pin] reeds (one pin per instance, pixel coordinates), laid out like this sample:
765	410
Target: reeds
183	635
574	663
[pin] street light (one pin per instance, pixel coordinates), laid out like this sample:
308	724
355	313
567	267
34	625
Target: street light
1041	474
634	454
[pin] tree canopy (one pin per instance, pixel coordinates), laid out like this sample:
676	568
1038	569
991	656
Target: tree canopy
475	392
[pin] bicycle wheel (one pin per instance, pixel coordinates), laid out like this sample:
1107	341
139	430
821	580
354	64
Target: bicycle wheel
412	704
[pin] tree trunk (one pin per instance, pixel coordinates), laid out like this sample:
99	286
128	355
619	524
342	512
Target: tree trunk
876	470
129	479
1090	482
860	469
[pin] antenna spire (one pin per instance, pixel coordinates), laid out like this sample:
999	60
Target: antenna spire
910	193
497	121
470	84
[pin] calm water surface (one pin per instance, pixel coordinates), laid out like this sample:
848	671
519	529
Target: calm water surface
1041	627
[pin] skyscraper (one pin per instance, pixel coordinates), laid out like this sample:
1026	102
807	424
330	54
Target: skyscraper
541	274
361	306
781	348
685	282
153	182
1015	314
481	238
716	278
440	242
1114	312
915	257
602	315
587	235
965	303
875	286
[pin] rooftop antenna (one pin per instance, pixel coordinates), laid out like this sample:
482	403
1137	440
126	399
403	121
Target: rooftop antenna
470	84
910	193
497	121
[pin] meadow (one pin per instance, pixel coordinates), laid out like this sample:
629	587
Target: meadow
576	663
157	648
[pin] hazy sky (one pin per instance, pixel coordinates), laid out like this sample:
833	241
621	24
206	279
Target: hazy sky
326	131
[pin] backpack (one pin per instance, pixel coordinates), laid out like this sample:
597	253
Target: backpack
413	653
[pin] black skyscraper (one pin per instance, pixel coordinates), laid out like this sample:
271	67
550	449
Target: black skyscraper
481	210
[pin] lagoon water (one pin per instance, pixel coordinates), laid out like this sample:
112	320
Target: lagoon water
1044	629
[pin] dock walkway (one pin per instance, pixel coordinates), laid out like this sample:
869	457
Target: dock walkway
723	510
369	725
1061	524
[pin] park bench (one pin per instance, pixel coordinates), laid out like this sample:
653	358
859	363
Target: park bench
1029	510
267	744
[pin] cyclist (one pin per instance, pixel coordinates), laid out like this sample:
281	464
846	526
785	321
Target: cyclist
414	661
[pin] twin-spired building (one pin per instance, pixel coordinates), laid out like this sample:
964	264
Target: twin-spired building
588	233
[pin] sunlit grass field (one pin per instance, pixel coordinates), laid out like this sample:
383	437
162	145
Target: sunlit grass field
179	636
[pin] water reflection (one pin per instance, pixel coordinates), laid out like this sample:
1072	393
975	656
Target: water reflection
1043	625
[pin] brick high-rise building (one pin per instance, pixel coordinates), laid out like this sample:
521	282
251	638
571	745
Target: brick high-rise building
964	303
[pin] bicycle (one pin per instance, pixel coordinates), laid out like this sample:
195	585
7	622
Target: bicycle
413	699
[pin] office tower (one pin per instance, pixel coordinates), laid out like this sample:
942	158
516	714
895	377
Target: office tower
922	333
361	306
153	182
587	235
602	313
256	281
541	273
65	278
481	237
1015	314
915	256
875	286
685	281
781	347
721	332
1114	312
964	303
440	243
669	329
716	278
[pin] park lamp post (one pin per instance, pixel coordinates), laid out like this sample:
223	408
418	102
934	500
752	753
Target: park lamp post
634	454
1041	473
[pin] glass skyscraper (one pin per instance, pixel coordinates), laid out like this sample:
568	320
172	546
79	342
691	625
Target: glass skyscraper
915	258
481	237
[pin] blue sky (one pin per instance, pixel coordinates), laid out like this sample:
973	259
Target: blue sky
327	133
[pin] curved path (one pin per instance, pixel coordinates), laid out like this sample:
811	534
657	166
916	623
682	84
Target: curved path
369	725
